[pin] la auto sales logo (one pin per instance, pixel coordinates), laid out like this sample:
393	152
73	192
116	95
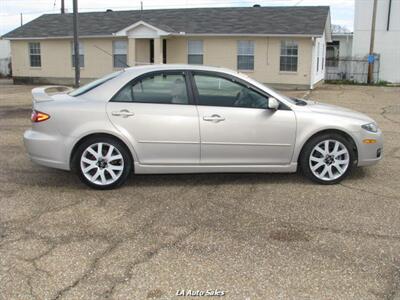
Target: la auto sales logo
200	293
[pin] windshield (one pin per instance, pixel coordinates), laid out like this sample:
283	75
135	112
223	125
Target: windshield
95	83
292	100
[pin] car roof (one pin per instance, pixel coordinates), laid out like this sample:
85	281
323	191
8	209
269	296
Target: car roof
164	67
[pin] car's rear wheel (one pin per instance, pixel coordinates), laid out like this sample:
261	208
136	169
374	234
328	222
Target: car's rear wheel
103	162
327	158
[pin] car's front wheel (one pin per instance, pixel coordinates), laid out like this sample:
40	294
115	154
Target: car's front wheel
327	158
103	162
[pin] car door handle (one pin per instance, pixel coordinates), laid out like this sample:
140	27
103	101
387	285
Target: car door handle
123	113
214	118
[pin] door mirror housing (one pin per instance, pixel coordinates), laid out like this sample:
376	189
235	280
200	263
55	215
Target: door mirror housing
273	103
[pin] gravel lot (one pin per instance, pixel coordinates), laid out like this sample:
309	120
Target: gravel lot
253	236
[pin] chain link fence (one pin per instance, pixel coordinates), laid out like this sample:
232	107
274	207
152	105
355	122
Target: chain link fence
351	69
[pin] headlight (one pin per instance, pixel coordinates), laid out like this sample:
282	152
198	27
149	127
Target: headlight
372	127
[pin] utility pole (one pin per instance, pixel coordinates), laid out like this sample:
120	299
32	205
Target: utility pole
371	58
62	7
76	44
22	21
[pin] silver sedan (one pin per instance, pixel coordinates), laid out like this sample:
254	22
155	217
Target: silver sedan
193	119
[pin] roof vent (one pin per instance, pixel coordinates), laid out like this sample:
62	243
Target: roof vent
256	5
109	10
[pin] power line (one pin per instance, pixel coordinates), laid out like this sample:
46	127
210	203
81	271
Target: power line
177	5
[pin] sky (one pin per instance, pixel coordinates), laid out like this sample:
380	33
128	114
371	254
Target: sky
342	11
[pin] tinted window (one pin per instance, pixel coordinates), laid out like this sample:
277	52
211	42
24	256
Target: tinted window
160	88
218	91
91	85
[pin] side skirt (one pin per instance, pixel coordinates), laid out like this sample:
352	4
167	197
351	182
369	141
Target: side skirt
176	169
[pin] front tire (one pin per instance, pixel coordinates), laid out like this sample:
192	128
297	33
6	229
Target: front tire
103	163
327	158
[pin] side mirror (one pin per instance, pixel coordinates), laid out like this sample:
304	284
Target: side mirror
273	103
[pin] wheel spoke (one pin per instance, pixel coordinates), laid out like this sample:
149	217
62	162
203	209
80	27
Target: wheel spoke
317	166
88	161
88	168
91	151
316	159
324	171
327	146
320	150
112	173
96	175
343	151
339	168
330	173
110	152
336	148
103	177
115	157
117	168
342	161
100	149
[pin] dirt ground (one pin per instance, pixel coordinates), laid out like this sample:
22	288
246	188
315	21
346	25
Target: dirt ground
252	236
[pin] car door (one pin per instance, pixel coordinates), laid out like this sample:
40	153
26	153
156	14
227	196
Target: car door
235	125
156	113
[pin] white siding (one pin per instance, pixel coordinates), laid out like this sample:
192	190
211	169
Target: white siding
387	42
318	60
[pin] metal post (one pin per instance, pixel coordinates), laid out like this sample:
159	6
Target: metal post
62	7
22	22
371	44
76	44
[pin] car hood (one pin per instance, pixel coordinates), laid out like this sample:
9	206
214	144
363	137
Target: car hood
323	108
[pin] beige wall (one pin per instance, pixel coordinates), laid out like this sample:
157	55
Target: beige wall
56	58
218	51
222	52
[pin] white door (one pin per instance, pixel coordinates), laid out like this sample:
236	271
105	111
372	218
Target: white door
155	112
237	128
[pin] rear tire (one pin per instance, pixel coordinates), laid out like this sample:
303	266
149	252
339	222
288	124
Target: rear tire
103	162
327	158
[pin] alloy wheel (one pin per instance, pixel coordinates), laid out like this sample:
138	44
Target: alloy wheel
102	163
329	160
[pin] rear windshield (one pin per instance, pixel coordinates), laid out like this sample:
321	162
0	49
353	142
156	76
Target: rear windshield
95	83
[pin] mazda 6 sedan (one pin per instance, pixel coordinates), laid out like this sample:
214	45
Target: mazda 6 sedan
193	119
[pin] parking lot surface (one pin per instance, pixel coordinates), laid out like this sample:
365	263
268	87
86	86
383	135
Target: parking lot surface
252	236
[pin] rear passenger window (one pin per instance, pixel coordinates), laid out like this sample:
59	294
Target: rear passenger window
159	88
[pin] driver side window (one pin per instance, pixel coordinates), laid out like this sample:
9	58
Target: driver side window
218	91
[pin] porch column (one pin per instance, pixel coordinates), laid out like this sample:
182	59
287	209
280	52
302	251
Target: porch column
131	52
158	51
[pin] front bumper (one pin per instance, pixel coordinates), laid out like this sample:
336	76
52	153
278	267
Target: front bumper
369	154
46	150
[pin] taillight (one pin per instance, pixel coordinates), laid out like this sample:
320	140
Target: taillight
38	116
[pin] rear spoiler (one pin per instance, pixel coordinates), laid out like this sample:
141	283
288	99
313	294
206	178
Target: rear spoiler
45	93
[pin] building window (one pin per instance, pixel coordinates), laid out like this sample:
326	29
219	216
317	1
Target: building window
120	53
195	52
245	55
34	55
289	56
81	55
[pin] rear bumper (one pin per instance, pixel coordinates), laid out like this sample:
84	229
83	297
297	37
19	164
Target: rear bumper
369	154
46	150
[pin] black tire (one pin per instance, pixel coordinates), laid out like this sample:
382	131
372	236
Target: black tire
123	150
304	159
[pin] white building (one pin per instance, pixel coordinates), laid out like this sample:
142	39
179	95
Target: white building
387	35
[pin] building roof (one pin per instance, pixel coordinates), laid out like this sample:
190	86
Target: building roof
298	20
